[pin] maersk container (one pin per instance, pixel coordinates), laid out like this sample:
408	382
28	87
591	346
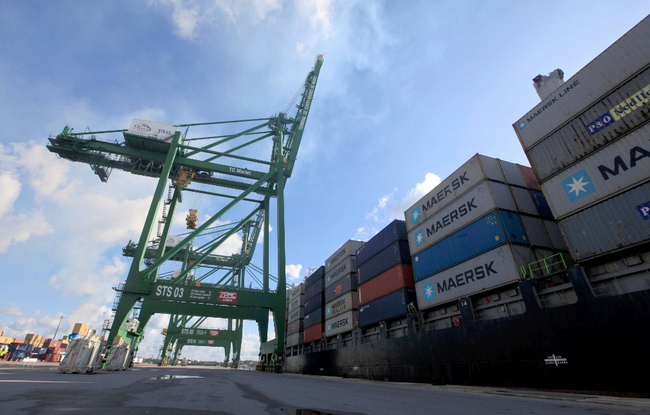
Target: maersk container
317	275
315	289
295	339
347	302
396	253
314	333
475	170
296	314
492	269
481	199
345	267
295	327
494	229
348	249
621	112
615	224
618	63
313	303
614	169
341	286
388	307
396	278
394	231
341	323
312	318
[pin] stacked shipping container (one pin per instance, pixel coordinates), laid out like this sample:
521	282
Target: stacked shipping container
314	320
476	229
589	144
385	276
295	314
341	304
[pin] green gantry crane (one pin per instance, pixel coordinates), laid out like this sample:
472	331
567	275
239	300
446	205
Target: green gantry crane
222	161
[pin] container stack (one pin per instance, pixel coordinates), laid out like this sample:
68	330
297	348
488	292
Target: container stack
592	156
385	276
313	324
295	314
479	229
341	302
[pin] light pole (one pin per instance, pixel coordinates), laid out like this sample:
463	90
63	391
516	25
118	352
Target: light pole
57	327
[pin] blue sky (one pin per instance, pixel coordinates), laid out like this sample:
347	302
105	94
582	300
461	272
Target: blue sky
408	92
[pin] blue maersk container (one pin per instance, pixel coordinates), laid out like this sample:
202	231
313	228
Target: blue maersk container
388	307
394	254
541	204
394	231
487	232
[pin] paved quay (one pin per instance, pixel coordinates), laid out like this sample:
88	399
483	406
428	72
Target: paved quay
208	390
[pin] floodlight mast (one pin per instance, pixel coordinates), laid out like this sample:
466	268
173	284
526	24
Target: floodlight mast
245	178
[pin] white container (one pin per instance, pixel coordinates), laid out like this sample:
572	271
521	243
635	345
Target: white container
492	269
621	61
348	249
614	169
347	302
341	323
152	129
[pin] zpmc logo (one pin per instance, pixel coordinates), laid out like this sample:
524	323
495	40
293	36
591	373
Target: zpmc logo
227	297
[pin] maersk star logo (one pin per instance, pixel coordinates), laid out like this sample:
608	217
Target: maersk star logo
578	186
415	215
429	294
419	237
522	125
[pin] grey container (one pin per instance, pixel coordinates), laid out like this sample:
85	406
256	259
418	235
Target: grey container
294	339
604	122
481	199
294	327
537	233
523	200
474	171
492	269
616	224
342	286
614	169
621	61
296	314
297	301
347	249
553	230
347	302
341	323
348	265
313	303
295	291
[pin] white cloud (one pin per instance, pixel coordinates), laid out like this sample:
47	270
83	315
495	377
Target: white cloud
9	191
293	271
381	205
19	228
13	311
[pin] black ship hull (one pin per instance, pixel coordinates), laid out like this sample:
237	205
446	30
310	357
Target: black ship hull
595	344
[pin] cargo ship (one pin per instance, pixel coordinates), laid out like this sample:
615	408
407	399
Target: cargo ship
507	275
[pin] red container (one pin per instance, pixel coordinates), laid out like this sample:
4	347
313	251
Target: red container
314	333
396	278
52	343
